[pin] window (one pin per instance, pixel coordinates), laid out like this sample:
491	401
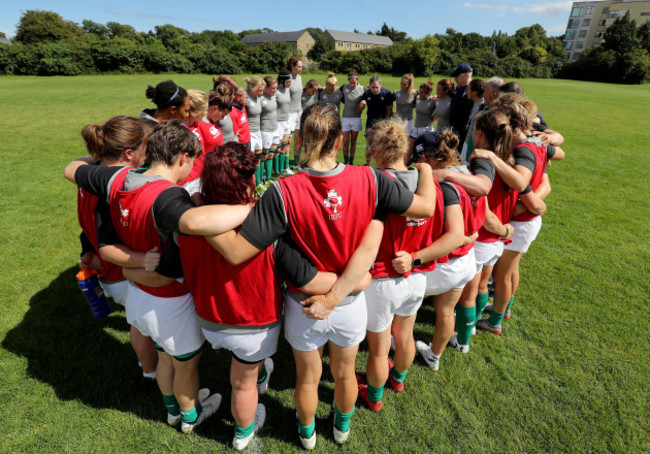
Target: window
586	22
568	45
574	23
339	43
598	34
589	10
580	45
645	14
570	34
576	55
618	13
575	12
601	23
606	10
582	34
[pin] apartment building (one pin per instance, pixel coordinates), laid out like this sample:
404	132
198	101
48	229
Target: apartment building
589	20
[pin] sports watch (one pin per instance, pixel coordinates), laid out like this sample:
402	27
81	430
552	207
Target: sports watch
417	261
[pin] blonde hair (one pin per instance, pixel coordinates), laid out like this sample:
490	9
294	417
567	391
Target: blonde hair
446	154
498	133
253	83
198	103
411	87
320	127
519	109
331	80
241	91
388	141
269	81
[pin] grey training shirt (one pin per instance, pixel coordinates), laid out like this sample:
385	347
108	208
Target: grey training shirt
254	110
424	112
351	98
404	107
283	98
269	116
442	113
296	92
332	98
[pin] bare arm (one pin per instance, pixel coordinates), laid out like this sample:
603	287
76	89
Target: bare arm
477	185
320	306
550	137
559	154
123	256
494	225
213	219
535	203
360	107
452	238
148	278
71	168
324	280
517	178
424	201
389	111
233	247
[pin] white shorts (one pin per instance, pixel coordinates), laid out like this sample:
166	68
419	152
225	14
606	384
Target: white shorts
524	234
270	138
391	296
251	347
415	132
454	274
345	326
116	290
409	126
172	323
487	254
285	128
294	120
351	124
256	141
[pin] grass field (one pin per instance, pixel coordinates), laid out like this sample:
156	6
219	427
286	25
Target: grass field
570	373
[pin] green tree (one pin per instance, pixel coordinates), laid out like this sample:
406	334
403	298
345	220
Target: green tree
622	35
96	29
392	33
321	44
45	26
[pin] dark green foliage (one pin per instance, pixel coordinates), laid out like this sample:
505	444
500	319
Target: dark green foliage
395	35
321	45
44	26
483	62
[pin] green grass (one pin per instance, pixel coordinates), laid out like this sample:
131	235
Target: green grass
570	373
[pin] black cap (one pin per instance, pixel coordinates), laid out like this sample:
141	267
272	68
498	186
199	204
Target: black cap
426	141
283	76
461	69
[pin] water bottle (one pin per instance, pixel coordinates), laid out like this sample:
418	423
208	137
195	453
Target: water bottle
94	293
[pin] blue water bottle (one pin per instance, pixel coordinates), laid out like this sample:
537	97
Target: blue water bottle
94	293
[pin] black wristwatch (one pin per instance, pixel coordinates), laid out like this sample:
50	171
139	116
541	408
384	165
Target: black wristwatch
417	261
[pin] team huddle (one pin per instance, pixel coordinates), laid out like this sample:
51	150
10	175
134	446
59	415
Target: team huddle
332	253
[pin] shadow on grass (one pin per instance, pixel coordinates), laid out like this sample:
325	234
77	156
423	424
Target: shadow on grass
79	357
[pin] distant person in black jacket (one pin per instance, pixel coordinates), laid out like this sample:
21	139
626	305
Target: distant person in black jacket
461	106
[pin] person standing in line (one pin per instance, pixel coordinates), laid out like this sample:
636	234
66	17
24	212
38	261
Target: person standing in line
425	106
405	100
351	121
294	65
331	94
255	89
379	101
461	106
285	128
269	126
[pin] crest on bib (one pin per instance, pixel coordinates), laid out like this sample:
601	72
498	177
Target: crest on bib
333	201
124	216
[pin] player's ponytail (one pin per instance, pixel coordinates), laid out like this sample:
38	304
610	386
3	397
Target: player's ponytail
227	175
109	141
498	132
320	127
388	142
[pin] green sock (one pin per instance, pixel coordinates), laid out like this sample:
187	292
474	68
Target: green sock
399	377
481	302
281	162
172	405
465	321
287	161
374	394
276	164
345	159
258	173
510	303
193	414
496	318
268	167
307	431
342	421
243	432
262	375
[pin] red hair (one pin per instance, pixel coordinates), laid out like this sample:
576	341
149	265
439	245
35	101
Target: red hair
226	176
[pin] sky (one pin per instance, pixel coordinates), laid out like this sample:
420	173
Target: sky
417	19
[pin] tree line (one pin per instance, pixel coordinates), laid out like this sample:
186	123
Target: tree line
46	44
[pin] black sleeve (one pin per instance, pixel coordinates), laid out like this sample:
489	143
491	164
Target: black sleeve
106	233
94	179
450	194
168	208
267	222
527	190
342	95
539	127
480	166
291	262
389	99
86	245
391	195
170	261
550	151
524	156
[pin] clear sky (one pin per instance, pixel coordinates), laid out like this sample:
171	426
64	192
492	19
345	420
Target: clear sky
416	17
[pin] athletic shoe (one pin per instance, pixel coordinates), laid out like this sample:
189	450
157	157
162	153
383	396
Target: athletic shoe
288	171
363	395
268	365
474	330
260	416
427	355
484	324
453	343
398	387
173	420
210	406
340	437
490	308
307	443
